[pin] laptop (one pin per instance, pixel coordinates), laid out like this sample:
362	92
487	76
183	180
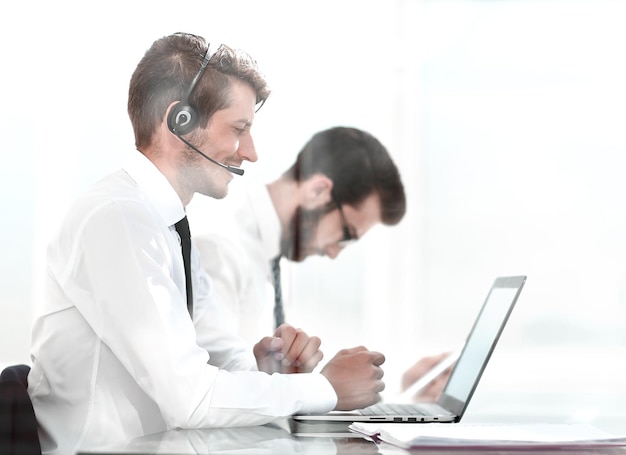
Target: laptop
464	376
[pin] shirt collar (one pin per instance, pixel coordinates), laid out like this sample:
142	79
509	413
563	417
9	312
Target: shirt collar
268	224
156	187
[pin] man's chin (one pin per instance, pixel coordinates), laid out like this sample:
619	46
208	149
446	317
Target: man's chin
301	256
299	259
216	193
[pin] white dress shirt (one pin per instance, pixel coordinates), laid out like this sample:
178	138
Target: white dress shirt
236	253
115	354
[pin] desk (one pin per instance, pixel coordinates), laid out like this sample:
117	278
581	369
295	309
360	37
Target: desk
277	439
265	439
536	392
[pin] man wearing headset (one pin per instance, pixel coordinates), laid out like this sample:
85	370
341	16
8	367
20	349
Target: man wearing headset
120	348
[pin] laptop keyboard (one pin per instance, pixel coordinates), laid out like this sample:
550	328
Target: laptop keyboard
421	409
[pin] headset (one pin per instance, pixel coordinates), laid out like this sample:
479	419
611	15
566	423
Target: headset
183	118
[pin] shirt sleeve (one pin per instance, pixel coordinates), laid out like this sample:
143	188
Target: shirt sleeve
252	398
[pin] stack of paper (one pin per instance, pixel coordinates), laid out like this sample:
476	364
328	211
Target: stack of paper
439	435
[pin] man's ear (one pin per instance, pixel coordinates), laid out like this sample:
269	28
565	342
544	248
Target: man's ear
316	191
167	135
166	119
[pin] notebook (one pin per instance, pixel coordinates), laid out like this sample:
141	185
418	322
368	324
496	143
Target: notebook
464	376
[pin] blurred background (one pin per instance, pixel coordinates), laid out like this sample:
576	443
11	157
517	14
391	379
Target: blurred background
505	117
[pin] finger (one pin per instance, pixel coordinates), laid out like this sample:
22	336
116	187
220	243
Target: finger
285	330
424	365
378	358
434	389
302	348
377	388
420	368
308	347
349	351
268	345
310	364
288	334
379	373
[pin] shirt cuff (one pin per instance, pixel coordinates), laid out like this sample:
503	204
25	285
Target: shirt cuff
318	395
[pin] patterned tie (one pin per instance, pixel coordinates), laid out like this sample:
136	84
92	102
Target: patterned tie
182	227
279	315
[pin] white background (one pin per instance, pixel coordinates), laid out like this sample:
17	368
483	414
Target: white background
506	118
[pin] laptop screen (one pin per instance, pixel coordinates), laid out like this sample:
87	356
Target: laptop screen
480	342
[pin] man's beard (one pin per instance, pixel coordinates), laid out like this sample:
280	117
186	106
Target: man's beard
296	240
194	176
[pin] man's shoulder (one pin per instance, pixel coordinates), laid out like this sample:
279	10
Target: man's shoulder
114	186
113	196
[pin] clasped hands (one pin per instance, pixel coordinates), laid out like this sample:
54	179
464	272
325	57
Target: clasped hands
355	373
289	350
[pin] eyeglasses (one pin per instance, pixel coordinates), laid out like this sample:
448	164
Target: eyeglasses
348	237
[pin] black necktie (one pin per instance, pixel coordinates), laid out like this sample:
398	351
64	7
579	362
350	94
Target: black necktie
279	316
182	227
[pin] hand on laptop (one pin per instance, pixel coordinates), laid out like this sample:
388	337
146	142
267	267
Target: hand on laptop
290	350
432	391
356	376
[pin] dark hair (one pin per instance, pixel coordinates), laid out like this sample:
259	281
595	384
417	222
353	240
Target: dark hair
166	70
358	164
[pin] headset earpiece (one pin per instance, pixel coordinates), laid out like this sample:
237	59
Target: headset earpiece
182	118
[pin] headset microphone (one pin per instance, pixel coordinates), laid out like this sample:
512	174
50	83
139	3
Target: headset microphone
183	118
234	170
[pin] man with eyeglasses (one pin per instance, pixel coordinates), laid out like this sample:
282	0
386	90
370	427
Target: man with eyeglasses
342	183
